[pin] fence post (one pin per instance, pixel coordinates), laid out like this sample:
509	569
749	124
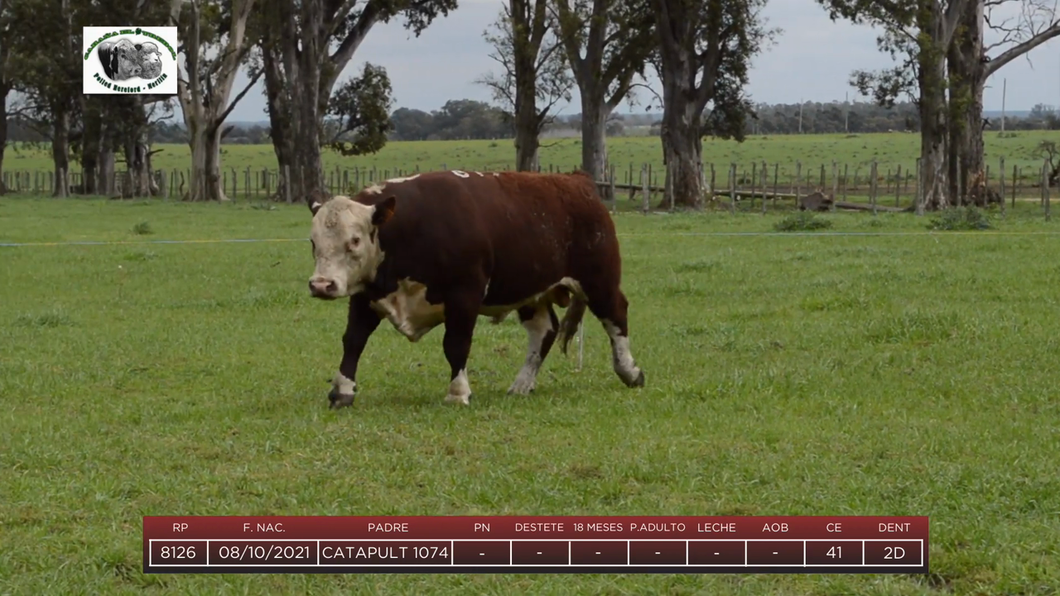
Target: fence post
765	184
1045	188
754	182
919	201
776	183
1017	179
732	188
898	186
835	183
872	188
614	197
798	181
846	180
644	188
1001	165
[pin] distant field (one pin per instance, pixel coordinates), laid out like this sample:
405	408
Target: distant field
903	373
855	152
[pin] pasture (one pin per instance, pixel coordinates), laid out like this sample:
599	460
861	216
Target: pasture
901	373
243	164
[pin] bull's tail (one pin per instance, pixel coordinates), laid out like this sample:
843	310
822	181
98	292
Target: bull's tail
571	319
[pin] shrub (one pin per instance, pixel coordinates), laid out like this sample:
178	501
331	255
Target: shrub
802	221
961	218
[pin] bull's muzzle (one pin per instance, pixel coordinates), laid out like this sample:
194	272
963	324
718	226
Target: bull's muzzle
323	288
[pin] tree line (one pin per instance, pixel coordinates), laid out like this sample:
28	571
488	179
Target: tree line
700	52
463	119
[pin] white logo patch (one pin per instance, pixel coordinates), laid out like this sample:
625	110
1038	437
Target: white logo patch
461	174
129	60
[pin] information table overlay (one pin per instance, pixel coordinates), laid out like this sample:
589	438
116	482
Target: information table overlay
550	544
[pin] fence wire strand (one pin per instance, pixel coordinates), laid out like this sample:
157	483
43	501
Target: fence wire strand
980	234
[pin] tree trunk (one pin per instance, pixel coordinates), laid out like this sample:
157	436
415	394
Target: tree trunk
61	152
280	127
527	126
105	183
967	78
594	142
525	48
137	164
931	79
683	150
3	137
206	165
526	149
91	141
302	67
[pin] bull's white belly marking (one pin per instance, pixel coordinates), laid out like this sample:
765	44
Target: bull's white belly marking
499	313
408	311
378	188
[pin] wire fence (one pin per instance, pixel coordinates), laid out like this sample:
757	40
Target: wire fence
640	185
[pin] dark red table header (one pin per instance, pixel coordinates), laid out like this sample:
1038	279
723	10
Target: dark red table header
536	527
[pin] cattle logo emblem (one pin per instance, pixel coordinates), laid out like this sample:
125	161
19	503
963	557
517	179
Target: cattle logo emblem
130	60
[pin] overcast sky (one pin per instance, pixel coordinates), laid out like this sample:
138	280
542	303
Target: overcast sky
810	61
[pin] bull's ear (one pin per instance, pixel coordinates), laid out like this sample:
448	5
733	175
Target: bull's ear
316	200
384	210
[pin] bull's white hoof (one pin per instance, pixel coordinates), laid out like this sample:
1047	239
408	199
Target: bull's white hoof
459	390
464	400
523	385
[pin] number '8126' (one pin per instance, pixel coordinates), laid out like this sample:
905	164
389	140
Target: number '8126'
178	552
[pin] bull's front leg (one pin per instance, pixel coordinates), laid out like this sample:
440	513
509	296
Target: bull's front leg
360	324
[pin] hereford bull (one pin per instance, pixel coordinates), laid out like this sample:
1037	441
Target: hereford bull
447	247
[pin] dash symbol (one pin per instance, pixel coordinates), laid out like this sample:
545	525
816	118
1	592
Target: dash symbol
774	552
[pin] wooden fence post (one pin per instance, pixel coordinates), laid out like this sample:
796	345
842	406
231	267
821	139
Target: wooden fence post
919	201
765	183
1045	188
732	188
846	180
872	188
776	181
1001	165
644	188
754	182
897	186
835	183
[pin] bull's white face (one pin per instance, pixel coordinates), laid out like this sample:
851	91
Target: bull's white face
150	61
345	239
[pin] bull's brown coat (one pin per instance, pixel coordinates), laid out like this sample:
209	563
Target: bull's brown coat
482	244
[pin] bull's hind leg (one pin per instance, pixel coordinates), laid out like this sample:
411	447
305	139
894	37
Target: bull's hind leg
460	317
610	308
541	324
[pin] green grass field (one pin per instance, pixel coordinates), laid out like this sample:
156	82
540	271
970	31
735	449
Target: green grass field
854	152
902	374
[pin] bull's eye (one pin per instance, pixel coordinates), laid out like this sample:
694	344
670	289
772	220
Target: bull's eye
354	243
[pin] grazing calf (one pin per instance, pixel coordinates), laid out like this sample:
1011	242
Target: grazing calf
447	247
